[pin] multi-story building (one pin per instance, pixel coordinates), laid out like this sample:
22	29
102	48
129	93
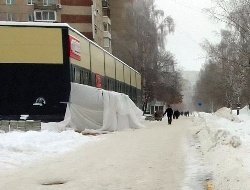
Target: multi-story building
106	25
78	14
123	43
90	17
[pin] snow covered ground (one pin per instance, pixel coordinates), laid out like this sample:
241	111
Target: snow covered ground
19	149
225	145
217	147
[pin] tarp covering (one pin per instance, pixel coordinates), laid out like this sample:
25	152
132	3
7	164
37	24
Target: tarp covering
98	109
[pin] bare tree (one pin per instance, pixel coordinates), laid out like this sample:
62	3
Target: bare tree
147	31
224	72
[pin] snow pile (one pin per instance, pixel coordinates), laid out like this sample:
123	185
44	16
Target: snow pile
244	113
226	113
55	126
101	110
225	138
198	119
24	148
225	146
219	130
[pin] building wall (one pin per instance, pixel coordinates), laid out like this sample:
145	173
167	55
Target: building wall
98	22
20	10
78	14
123	44
86	16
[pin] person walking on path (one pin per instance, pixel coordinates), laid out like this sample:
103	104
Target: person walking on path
169	112
176	114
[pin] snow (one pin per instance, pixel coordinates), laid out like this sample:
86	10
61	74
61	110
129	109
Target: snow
24	148
217	148
225	142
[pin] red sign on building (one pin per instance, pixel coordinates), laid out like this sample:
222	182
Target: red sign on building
98	81
75	48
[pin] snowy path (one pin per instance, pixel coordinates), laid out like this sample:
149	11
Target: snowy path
152	158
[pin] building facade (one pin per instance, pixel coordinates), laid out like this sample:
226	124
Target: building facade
90	17
123	30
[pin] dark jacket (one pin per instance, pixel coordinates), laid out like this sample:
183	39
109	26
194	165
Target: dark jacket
169	112
177	113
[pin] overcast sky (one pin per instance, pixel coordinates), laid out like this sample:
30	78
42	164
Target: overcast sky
193	26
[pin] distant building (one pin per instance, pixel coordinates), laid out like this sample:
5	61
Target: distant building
123	30
90	17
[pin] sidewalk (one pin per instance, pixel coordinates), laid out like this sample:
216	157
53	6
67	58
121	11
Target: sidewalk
151	158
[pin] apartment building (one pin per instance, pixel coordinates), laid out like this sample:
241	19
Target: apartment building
123	43
90	17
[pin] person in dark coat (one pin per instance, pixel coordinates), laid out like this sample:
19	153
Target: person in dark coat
169	113
176	114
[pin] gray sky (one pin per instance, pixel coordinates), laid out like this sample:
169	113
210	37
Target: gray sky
193	26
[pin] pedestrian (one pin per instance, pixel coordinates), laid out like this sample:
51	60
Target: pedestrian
169	113
176	114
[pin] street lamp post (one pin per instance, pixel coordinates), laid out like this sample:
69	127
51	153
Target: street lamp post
238	106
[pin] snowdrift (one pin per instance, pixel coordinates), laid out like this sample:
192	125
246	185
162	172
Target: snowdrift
217	129
226	113
225	147
100	110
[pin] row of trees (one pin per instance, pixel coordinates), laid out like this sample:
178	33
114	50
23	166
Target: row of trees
225	78
148	30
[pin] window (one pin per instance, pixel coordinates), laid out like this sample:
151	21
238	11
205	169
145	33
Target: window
45	2
45	16
107	42
105	26
52	16
38	16
152	110
105	3
10	2
81	77
161	108
106	12
31	2
77	75
48	2
10	17
73	74
30	18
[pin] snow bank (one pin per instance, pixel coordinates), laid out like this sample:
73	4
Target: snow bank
225	146
244	113
97	109
224	137
219	130
24	148
226	113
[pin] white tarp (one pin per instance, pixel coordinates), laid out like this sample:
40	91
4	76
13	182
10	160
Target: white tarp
98	109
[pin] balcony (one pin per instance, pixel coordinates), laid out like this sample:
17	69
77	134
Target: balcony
47	5
106	19
105	3
106	34
105	8
106	12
